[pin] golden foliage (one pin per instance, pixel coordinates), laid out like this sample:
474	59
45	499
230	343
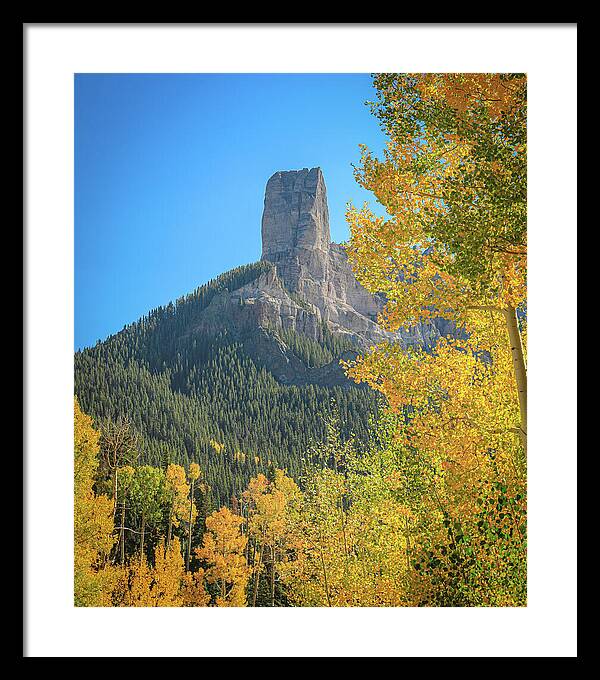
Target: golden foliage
158	586
193	591
194	472
93	519
267	506
223	550
453	184
454	245
177	491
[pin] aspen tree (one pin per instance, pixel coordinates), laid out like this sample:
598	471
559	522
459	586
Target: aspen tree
125	475
194	475
453	183
118	447
177	491
223	551
93	523
146	492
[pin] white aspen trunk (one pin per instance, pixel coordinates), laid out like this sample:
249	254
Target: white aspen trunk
273	573
142	538
189	550
170	526
257	575
520	369
123	532
115	486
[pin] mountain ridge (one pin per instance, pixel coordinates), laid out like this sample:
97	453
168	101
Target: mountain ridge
243	373
308	283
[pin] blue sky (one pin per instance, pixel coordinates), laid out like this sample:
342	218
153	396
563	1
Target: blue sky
170	172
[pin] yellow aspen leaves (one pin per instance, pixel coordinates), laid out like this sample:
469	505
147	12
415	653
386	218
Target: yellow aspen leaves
93	518
223	551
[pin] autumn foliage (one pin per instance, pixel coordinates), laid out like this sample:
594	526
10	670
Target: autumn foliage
454	245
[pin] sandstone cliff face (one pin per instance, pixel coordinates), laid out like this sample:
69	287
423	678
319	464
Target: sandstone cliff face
310	284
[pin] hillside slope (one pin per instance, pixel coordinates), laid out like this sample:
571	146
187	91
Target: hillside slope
241	374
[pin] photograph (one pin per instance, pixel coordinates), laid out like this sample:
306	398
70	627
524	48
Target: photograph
328	408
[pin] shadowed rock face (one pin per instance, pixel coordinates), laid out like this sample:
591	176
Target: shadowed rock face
311	284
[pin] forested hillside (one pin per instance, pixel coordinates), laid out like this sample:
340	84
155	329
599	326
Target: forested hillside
195	397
